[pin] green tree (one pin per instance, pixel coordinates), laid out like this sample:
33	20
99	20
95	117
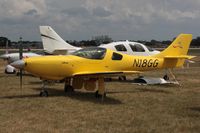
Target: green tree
3	41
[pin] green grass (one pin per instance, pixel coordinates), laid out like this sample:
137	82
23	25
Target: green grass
127	108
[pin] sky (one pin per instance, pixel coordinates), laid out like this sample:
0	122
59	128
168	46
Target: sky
82	19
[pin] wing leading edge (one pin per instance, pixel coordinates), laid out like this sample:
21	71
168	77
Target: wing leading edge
106	73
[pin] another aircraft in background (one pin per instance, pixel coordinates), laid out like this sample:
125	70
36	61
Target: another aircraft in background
12	57
130	48
54	44
87	68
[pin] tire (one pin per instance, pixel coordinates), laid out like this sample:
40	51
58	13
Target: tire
68	88
97	95
166	77
44	93
6	72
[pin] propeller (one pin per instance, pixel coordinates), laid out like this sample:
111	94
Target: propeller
20	57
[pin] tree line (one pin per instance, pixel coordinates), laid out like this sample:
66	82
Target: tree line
95	41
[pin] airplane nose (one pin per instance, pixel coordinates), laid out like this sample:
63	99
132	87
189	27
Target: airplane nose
18	64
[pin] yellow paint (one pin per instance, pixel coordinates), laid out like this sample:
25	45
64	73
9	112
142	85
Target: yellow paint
60	67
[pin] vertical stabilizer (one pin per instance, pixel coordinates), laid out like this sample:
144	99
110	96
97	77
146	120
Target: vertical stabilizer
52	42
178	48
176	53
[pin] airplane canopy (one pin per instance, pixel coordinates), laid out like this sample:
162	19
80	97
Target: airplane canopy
96	53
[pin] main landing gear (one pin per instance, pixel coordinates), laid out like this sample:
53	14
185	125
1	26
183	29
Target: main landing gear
101	92
68	88
97	95
44	93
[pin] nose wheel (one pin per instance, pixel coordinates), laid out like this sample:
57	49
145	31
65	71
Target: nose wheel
43	92
68	87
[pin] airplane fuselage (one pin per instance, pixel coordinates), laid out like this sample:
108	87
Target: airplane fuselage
60	67
15	56
87	68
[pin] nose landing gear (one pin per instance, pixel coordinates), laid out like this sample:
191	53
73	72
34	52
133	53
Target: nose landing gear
44	92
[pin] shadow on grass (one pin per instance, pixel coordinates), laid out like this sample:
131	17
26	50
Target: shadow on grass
82	96
152	90
90	96
87	96
136	90
2	76
196	109
20	96
194	112
35	82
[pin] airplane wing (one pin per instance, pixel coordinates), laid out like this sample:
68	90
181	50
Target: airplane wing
106	73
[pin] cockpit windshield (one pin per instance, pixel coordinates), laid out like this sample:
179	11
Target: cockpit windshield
91	53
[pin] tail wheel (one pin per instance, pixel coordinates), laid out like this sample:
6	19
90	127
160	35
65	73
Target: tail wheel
166	77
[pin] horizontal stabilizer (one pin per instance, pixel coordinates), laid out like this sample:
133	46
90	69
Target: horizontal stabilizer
178	48
152	81
179	57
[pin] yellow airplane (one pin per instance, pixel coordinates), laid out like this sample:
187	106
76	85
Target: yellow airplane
88	67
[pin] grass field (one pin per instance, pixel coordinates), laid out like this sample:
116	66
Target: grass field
127	107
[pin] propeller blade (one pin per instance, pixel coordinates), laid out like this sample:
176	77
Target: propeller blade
20	74
20	57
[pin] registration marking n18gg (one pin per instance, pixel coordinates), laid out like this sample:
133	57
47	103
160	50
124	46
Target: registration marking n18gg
145	63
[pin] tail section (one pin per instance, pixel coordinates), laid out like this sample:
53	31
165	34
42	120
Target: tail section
53	43
176	53
178	48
